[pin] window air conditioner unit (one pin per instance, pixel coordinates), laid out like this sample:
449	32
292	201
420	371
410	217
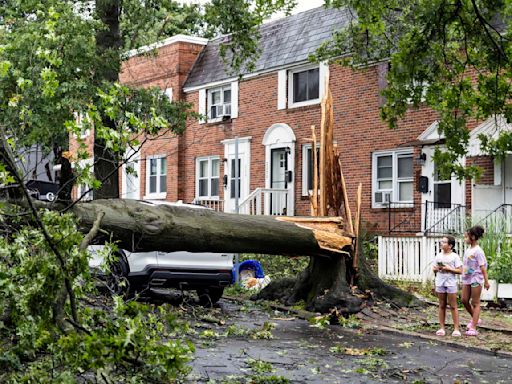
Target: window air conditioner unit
227	110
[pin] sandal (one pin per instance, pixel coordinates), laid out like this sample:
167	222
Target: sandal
471	332
456	334
470	324
441	332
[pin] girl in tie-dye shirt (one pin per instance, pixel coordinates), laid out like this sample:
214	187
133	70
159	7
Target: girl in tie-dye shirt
474	276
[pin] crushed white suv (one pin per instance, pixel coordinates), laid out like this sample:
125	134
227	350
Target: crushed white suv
207	273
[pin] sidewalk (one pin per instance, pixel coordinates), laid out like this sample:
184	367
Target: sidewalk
495	333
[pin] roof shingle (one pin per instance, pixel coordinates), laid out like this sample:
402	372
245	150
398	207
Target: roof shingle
283	42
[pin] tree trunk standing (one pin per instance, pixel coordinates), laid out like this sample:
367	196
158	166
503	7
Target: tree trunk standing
66	179
324	285
108	45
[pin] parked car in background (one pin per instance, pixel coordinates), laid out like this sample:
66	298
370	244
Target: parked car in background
207	273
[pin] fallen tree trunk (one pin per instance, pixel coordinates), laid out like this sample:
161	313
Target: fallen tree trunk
139	226
324	285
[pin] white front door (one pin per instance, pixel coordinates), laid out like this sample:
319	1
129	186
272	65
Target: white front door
236	180
279	142
278	181
442	211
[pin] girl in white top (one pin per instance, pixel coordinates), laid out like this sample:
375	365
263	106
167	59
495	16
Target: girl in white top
447	265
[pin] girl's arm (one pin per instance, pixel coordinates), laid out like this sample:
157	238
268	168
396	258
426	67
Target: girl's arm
486	279
456	271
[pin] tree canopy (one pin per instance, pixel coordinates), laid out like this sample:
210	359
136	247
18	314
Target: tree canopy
452	56
59	65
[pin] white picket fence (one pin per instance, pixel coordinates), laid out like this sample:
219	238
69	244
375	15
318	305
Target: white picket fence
410	258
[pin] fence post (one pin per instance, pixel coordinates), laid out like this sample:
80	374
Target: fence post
423	259
381	256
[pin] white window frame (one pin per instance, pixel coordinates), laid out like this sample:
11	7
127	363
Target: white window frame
85	189
305	169
134	155
209	103
156	195
168	92
291	72
79	118
423	97
209	177
395	155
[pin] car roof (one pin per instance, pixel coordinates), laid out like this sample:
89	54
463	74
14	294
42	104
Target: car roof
178	203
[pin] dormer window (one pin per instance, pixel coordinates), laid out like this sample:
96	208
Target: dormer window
301	86
305	85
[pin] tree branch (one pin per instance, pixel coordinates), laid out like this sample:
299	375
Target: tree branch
93	232
8	157
485	24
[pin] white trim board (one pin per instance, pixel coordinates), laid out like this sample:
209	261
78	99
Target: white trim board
246	77
163	43
491	128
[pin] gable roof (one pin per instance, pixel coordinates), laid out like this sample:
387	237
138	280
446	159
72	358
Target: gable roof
283	42
490	127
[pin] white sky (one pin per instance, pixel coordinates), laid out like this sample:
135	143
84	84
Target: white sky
302	5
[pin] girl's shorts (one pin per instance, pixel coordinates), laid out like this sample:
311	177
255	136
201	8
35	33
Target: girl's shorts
442	289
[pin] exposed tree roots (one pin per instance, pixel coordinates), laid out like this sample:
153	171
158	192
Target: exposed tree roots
324	285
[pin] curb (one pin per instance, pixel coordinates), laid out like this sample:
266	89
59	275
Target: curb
484	350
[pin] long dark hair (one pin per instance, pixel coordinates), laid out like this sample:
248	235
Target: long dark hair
475	232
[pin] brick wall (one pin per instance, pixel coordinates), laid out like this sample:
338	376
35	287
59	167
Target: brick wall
166	68
358	131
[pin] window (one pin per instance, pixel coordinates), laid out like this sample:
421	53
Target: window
235	179
392	178
442	190
83	122
130	176
219	102
307	168
84	190
304	87
207	177
168	93
156	177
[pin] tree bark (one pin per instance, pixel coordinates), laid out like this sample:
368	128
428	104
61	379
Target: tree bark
141	226
108	43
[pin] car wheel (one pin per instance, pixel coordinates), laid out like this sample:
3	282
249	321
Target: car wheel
117	279
209	296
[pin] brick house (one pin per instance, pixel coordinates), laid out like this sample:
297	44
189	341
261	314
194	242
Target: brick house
264	120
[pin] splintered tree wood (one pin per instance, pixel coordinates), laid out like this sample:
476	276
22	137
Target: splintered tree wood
140	226
322	201
328	231
314	197
355	261
348	213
